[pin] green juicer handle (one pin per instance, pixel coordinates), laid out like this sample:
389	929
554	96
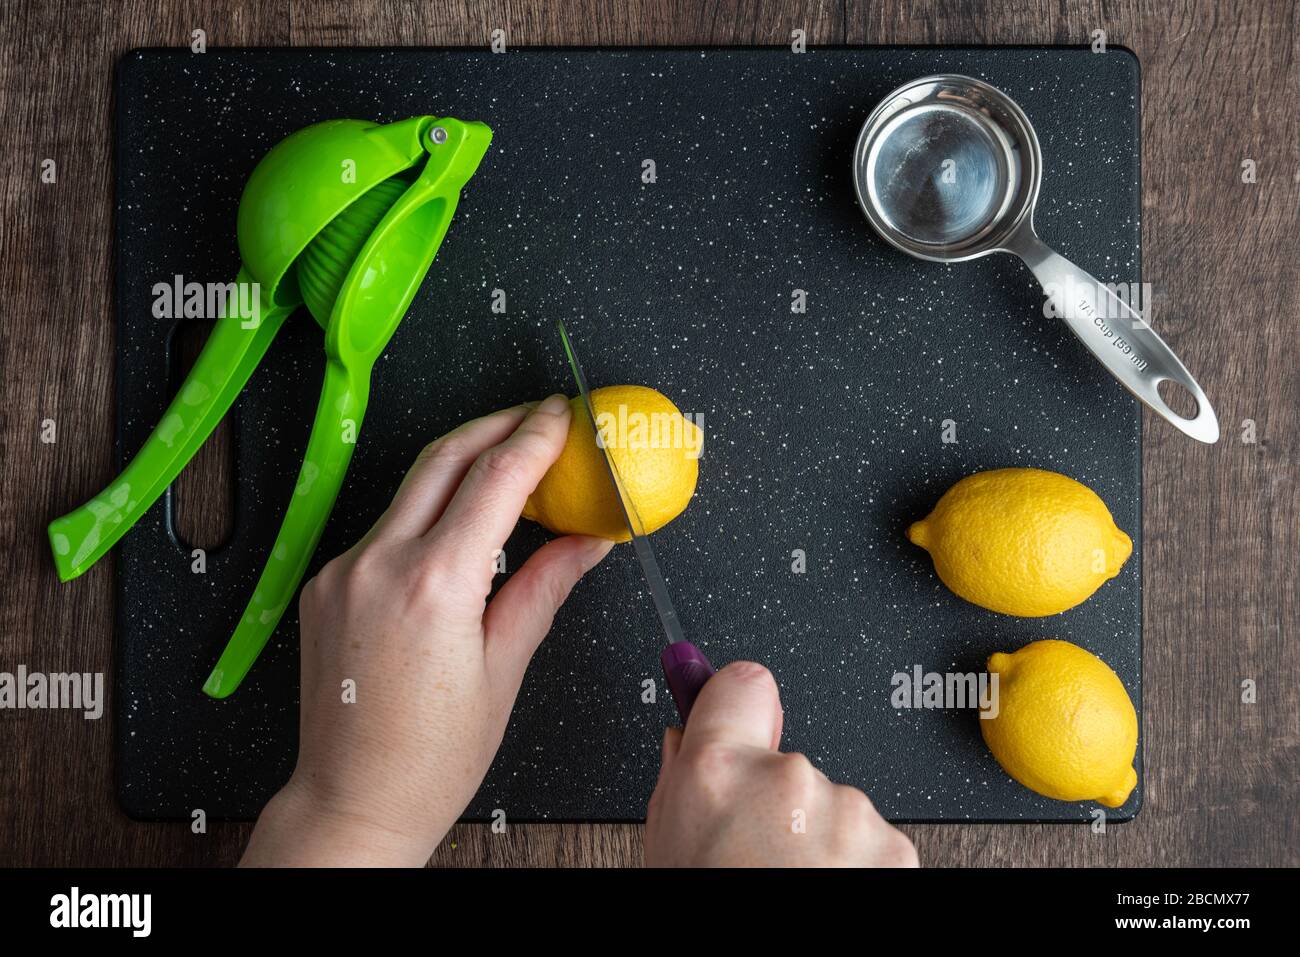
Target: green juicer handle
231	353
329	450
379	288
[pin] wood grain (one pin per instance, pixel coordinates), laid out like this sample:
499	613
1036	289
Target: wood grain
1220	84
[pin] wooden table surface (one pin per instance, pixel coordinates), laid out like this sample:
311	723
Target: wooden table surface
1220	87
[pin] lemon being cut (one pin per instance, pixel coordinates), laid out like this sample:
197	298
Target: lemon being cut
655	448
1022	541
1065	726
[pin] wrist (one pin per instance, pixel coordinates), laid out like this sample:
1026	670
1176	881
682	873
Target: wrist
299	829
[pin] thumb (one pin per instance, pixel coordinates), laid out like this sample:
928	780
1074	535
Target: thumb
740	705
520	615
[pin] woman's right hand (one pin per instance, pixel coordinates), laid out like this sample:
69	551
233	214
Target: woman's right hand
727	797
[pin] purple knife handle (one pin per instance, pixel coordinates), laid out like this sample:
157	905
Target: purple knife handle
686	669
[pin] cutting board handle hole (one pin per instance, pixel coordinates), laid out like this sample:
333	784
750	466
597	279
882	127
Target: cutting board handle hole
201	506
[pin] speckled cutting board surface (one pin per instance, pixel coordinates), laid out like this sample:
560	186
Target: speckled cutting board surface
823	429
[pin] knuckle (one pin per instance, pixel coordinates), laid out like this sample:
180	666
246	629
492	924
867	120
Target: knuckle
349	579
796	767
856	819
442	577
796	778
711	761
855	803
310	598
503	463
366	565
317	591
437	566
352	588
451	446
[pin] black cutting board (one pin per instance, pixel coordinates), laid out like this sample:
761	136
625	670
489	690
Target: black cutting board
823	428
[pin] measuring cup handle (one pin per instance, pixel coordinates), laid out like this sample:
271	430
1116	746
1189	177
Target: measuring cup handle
1116	335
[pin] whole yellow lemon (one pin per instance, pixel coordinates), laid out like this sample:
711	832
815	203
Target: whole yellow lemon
1022	541
1065	727
655	448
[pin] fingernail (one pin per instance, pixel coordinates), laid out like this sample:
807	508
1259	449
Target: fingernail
554	405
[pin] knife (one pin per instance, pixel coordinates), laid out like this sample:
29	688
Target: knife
686	669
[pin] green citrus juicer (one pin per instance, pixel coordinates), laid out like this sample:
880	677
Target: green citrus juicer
345	216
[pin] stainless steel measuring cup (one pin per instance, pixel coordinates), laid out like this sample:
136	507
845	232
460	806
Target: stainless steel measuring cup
947	168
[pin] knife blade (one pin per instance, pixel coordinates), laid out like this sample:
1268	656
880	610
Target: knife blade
686	668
